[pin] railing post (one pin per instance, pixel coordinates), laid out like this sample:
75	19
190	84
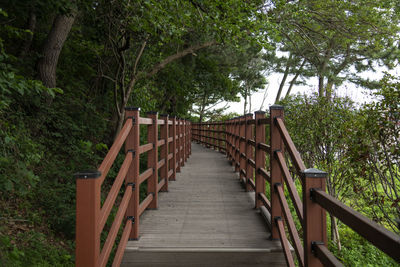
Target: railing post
164	152
259	156
237	145
87	250
132	145
314	224
183	142
230	125
228	140
190	138
173	148
249	151
178	144
242	147
219	136
276	144
152	159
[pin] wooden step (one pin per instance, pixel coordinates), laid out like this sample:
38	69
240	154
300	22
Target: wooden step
195	256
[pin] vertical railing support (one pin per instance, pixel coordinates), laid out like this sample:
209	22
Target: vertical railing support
183	142
190	138
276	144
237	155
173	148
314	223
259	156
164	152
132	145
152	159
87	249
178	145
249	151
242	147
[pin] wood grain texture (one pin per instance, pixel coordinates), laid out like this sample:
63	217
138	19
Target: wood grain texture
206	219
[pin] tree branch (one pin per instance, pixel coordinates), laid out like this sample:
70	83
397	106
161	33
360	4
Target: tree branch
176	56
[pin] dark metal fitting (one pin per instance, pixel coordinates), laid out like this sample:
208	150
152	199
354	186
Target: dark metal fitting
276	151
152	193
154	145
132	109
276	186
132	151
312	193
278	218
314	244
88	174
133	185
133	119
131	218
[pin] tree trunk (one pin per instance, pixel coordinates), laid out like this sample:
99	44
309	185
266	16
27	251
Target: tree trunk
31	26
335	232
285	75
245	102
52	48
155	69
295	78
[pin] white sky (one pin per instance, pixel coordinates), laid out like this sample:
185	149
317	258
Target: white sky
357	94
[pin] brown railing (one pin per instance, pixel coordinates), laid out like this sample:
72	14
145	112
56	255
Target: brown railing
91	216
244	141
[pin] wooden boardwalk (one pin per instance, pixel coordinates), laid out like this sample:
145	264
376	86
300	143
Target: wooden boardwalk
206	219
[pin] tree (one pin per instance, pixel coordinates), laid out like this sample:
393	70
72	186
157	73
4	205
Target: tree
375	153
319	127
333	36
52	47
145	36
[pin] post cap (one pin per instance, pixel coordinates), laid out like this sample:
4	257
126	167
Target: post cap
249	114
88	174
260	112
314	173
164	115
132	109
151	112
276	107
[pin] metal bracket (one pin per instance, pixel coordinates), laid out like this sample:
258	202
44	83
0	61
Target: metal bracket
132	218
133	186
276	186
132	151
312	193
133	119
314	244
275	118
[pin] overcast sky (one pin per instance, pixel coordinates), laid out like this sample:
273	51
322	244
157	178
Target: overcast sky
358	94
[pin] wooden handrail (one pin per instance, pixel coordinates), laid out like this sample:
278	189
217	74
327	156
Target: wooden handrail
114	150
290	223
91	217
382	238
298	205
238	138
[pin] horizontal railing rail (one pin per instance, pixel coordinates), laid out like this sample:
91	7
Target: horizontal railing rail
243	140
91	216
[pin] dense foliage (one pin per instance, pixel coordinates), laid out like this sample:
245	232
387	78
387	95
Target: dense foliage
69	68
